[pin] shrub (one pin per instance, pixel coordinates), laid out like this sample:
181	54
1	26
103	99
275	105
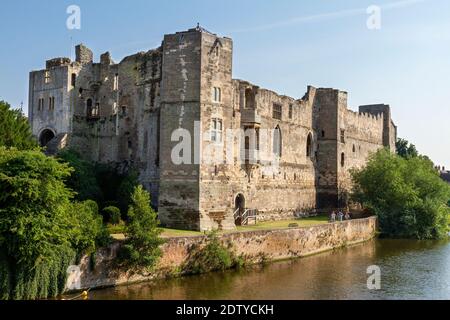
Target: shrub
141	248
112	214
212	257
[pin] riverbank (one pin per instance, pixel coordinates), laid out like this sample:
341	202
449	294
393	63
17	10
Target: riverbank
256	246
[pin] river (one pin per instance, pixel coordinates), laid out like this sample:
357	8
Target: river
409	270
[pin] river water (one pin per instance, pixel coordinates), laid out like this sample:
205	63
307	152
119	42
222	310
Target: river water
409	270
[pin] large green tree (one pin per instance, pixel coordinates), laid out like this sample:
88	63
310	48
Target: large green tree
407	195
14	129
41	228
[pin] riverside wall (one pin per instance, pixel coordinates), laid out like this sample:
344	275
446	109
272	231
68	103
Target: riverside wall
268	245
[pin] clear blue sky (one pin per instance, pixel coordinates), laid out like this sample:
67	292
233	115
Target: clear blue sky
282	45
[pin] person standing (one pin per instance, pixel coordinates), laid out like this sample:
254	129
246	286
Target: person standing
340	216
333	217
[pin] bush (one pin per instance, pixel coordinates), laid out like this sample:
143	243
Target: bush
41	229
212	257
406	194
112	214
141	248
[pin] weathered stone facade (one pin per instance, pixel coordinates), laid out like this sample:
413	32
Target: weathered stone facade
251	148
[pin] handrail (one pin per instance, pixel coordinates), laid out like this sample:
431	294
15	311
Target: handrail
247	215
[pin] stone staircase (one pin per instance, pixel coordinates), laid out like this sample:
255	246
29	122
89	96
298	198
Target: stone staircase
57	143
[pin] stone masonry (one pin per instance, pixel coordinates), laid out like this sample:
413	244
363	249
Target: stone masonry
208	147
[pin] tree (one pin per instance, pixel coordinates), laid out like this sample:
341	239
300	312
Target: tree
15	130
405	149
126	188
41	228
83	179
142	246
407	195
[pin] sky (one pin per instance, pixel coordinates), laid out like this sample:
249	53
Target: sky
282	45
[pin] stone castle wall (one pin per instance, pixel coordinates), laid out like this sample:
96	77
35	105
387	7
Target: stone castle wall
133	114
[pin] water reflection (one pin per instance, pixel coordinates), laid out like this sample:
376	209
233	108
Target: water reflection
410	270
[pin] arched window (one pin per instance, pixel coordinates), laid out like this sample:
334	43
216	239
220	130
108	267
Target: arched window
309	145
354	149
342	159
277	142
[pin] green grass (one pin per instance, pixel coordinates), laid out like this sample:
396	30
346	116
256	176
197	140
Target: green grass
269	225
284	224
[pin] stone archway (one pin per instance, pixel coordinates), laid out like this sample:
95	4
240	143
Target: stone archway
45	137
239	208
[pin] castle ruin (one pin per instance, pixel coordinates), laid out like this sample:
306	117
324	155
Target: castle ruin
290	157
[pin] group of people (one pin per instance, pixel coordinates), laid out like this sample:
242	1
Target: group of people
340	216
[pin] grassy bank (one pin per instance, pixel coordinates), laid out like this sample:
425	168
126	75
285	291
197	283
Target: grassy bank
118	230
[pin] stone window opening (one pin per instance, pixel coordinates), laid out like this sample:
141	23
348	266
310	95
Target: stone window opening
277	142
354	149
249	99
342	159
116	82
51	103
217	51
92	111
277	111
216	130
309	145
217	94
290	111
124	110
47	77
323	133
216	170
41	103
342	136
73	79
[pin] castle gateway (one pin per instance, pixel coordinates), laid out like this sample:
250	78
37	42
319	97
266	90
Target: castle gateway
211	149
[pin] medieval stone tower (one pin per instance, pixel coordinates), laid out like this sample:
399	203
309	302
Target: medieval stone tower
208	147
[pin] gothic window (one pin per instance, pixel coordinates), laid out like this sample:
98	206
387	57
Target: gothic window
354	149
342	159
217	94
309	145
277	142
216	130
290	111
277	111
